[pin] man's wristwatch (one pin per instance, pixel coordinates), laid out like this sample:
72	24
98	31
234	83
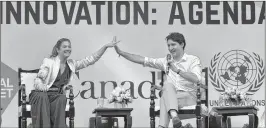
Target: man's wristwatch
178	71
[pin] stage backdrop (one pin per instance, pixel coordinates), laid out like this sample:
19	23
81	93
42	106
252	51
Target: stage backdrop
227	37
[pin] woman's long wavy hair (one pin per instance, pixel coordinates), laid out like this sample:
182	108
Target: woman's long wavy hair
57	46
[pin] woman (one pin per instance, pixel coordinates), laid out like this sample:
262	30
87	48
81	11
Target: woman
48	99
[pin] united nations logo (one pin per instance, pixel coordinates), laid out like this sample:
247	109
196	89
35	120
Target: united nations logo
239	69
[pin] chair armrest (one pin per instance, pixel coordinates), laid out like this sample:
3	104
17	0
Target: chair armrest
198	106
24	102
152	107
71	103
203	86
156	87
71	108
152	102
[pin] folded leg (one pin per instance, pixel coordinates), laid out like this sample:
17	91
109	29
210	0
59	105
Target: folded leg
168	102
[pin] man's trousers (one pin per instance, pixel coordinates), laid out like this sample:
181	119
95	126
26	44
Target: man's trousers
173	100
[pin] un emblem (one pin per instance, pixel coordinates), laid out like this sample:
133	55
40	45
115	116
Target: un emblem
239	69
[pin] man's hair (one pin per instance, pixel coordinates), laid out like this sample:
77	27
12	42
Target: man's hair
177	37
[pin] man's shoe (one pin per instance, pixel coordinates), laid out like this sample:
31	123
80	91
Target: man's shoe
177	122
188	125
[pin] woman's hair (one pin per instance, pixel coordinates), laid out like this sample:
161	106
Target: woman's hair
57	46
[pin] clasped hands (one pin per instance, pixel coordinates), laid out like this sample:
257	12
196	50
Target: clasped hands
114	44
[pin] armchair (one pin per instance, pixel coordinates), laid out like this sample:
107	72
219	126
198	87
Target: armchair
26	78
186	112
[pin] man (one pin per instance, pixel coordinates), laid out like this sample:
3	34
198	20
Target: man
182	72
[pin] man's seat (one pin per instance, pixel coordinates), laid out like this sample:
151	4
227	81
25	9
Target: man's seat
26	81
198	111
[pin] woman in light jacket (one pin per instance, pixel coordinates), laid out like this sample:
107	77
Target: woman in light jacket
48	99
